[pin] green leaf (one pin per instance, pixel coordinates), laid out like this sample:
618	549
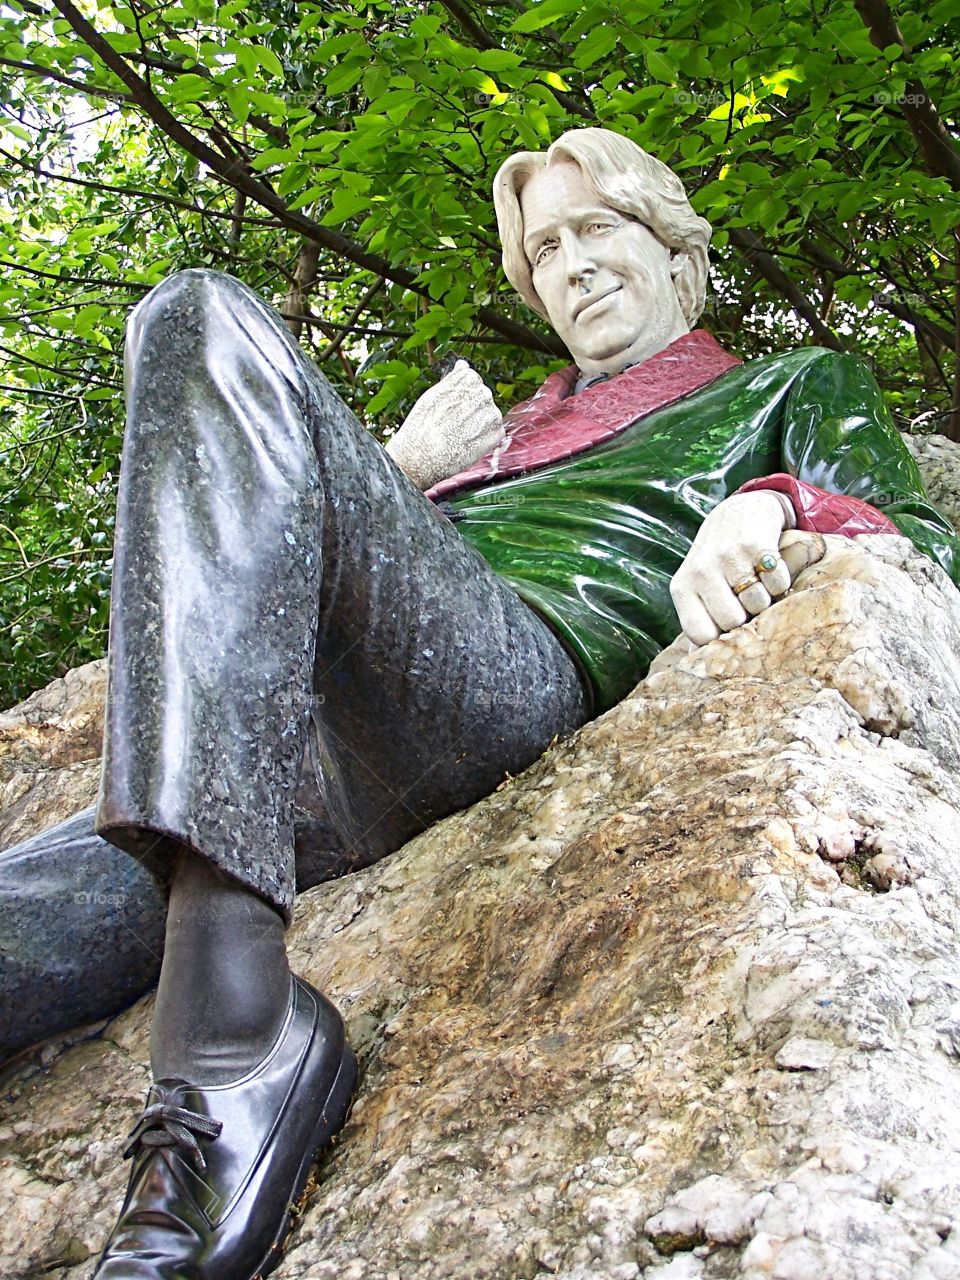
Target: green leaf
497	60
344	77
345	205
269	60
542	15
595	46
191	88
239	104
660	67
367	114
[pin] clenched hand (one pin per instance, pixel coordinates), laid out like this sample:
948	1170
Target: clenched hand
452	425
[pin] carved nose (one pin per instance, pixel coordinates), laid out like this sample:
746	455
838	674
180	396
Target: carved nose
579	261
582	278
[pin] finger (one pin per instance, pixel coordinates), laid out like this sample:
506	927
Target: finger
481	410
485	425
483	405
472	391
755	599
775	581
464	373
722	605
800	550
695	622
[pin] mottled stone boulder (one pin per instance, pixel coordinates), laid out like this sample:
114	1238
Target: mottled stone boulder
50	753
939	461
681	1001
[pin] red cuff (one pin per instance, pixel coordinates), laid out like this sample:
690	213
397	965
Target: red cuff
821	512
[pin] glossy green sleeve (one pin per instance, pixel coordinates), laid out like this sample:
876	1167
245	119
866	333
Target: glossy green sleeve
839	436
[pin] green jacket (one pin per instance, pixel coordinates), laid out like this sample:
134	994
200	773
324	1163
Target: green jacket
592	542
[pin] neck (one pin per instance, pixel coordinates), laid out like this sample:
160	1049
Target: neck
646	346
635	354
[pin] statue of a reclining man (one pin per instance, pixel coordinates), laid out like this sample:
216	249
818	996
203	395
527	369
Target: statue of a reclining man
307	652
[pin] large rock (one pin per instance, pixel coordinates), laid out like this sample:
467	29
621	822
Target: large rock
939	461
50	753
683	1000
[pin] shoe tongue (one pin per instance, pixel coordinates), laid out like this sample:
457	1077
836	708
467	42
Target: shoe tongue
168	1088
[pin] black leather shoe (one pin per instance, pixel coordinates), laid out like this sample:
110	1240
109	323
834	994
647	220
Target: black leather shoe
218	1170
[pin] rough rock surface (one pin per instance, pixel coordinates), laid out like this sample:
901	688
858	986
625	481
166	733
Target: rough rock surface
50	753
681	1001
939	461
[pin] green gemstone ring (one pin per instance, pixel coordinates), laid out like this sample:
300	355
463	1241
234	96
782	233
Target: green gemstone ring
768	562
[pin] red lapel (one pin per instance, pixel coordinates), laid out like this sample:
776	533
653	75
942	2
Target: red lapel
555	424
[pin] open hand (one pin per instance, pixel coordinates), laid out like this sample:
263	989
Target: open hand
453	424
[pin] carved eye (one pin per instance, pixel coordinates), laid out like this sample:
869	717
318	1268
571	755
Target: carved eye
544	252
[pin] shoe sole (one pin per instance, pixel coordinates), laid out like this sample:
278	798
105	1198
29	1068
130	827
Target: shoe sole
333	1116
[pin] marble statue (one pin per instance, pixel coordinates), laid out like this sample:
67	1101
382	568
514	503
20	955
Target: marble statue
319	646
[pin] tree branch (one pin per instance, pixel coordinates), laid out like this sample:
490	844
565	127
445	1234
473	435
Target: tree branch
759	256
351	320
46	73
953	428
37	564
37	391
237	216
935	143
49	368
156	196
238	176
304	278
174	68
825	261
91	280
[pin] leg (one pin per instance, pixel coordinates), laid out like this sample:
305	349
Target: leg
272	562
81	933
82	924
215	586
211	647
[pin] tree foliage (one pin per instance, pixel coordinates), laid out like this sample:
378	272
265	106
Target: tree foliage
338	158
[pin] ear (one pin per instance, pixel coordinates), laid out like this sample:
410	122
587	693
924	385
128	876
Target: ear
678	262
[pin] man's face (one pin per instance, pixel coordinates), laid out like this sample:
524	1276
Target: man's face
604	279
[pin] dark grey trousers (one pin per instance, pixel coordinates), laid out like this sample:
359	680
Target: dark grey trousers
295	630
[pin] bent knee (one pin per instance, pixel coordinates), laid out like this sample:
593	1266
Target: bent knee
198	310
195	289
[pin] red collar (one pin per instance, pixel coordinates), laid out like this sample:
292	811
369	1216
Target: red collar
555	424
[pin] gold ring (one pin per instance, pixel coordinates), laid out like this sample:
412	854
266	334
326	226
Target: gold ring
767	563
745	586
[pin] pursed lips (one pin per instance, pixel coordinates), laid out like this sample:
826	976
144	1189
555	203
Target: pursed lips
592	299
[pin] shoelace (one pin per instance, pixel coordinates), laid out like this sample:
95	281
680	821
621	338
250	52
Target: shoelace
163	1125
